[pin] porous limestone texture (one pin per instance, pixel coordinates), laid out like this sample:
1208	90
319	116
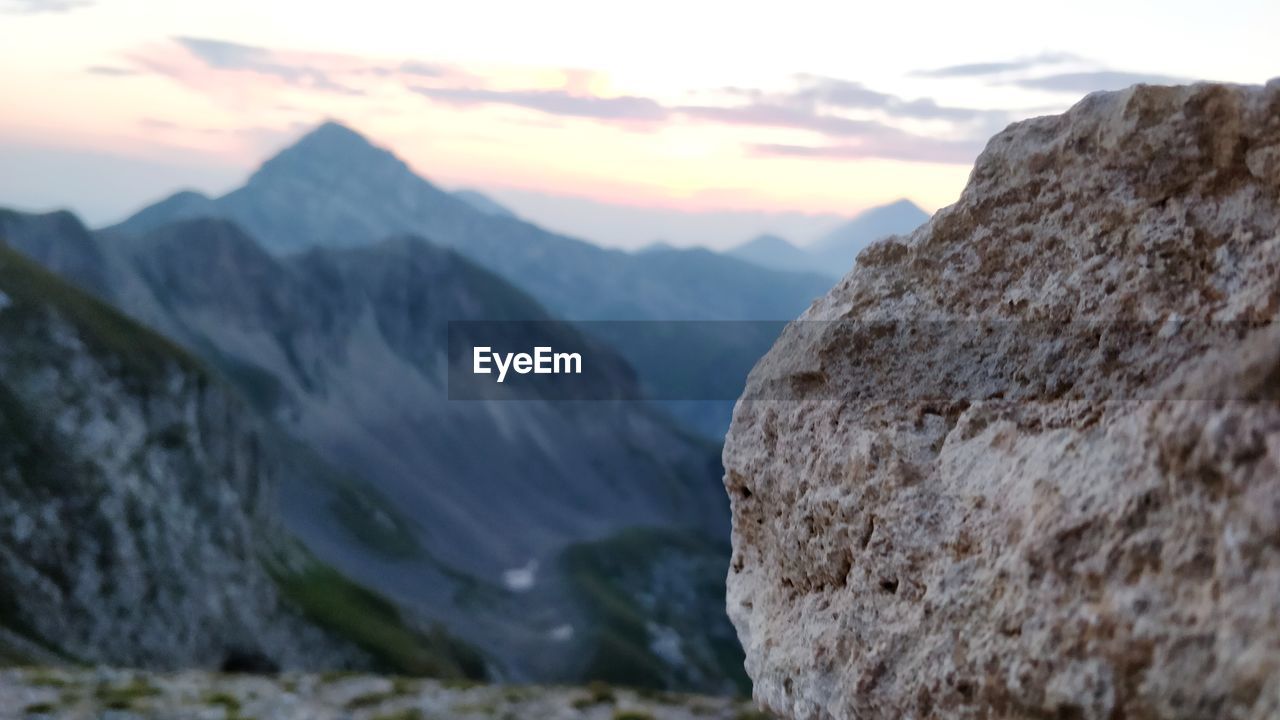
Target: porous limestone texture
1052	489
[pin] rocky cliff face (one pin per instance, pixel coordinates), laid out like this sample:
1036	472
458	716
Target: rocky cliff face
1026	461
135	498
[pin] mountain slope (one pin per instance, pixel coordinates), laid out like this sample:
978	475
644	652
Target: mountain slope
483	203
355	339
58	240
771	251
457	510
138	522
841	246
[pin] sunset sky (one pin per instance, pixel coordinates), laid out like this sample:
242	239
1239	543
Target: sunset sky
692	116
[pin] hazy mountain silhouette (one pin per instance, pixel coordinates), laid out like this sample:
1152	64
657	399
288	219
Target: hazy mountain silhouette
774	252
841	246
332	188
483	203
833	255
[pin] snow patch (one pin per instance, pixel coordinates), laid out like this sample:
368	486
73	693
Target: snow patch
561	633
4	300
521	579
665	643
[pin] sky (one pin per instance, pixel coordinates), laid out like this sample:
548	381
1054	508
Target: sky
624	122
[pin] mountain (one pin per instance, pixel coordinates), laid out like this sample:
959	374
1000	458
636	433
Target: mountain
483	203
656	246
138	513
464	513
841	246
833	254
334	189
60	240
771	251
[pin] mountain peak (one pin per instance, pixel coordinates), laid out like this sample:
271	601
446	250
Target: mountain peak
771	251
332	132
901	205
766	241
483	203
841	245
331	151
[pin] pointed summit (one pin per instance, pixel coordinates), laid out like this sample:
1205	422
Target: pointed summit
335	131
841	246
335	188
330	152
775	252
182	205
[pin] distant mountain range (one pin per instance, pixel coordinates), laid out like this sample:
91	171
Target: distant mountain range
474	516
833	254
334	189
557	541
772	251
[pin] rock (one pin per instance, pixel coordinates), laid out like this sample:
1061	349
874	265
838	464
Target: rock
137	499
1026	461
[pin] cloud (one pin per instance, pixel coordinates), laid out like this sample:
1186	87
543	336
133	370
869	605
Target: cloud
856	121
223	55
815	106
823	105
38	7
414	67
860	139
832	92
554	102
1084	82
201	63
983	69
780	116
1022	73
887	146
883	142
158	124
110	71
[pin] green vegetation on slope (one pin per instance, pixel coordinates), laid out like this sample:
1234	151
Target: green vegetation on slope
645	577
142	355
374	624
32	464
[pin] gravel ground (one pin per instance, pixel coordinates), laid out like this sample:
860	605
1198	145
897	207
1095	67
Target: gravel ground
121	695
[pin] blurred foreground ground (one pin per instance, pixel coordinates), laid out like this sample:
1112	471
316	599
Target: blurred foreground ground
120	695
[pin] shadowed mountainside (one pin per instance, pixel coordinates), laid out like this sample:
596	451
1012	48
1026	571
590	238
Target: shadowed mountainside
438	505
138	508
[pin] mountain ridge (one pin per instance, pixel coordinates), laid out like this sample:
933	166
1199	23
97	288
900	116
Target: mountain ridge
335	188
344	348
138	506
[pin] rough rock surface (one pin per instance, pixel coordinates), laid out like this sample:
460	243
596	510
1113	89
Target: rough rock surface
1099	537
136	499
